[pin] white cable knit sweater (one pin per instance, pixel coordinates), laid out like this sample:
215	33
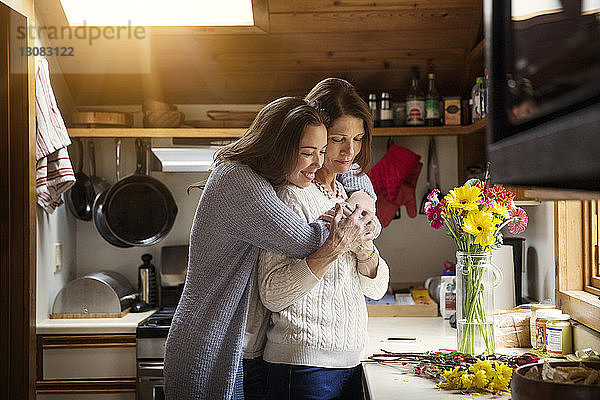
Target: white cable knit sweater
316	322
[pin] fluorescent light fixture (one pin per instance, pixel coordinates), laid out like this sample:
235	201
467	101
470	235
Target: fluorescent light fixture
158	12
185	159
525	9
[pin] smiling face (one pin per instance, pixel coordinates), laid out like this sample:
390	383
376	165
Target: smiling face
344	142
310	155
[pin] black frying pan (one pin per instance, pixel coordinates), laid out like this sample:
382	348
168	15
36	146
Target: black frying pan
98	212
139	210
80	197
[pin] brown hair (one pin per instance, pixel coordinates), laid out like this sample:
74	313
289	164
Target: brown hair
271	143
337	98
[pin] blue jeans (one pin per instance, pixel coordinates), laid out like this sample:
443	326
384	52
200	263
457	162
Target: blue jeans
283	381
253	379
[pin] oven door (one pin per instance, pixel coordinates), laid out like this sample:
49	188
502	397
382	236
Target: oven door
150	380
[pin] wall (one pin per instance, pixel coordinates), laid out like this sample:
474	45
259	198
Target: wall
413	250
406	243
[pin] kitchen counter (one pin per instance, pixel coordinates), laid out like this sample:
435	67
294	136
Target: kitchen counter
387	381
125	324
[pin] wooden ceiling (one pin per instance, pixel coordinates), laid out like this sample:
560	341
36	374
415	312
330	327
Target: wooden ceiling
372	44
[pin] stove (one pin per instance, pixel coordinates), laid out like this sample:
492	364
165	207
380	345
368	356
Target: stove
151	334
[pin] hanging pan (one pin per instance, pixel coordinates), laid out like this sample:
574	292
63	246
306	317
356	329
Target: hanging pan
433	175
80	197
99	216
139	210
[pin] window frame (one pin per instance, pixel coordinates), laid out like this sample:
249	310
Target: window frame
573	258
592	247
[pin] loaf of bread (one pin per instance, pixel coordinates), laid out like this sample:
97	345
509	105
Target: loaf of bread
512	328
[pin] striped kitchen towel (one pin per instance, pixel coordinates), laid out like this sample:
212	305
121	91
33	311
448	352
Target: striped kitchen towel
54	171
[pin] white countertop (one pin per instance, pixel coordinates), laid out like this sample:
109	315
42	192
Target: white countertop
125	324
388	382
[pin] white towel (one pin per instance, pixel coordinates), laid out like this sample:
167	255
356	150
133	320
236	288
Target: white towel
54	171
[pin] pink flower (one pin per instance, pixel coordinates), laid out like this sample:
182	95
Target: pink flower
487	203
432	197
435	215
518	221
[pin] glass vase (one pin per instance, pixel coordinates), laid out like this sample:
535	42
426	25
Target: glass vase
476	279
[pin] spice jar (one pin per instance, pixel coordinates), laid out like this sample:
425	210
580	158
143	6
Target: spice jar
559	335
534	309
540	327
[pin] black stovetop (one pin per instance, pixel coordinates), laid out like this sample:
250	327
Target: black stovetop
157	325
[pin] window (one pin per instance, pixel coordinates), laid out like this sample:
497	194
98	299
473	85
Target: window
577	281
592	248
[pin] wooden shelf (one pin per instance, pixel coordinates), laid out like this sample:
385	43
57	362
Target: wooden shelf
238	132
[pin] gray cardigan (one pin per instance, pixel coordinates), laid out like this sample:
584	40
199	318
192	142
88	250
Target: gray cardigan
238	213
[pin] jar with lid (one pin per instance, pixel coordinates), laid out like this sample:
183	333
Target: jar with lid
540	327
534	309
559	335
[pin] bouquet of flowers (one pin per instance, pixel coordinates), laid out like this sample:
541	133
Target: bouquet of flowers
474	216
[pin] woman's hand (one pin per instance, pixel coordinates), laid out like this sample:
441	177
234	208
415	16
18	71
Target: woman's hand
345	233
374	225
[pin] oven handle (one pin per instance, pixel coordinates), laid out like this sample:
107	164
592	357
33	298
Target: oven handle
151	365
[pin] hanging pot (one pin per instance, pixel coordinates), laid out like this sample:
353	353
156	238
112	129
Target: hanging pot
139	210
80	197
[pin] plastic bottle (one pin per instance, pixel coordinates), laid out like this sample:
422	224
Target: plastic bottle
432	103
415	102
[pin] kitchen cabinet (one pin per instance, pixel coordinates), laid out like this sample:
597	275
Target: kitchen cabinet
85	366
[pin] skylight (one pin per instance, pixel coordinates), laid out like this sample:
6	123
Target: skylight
158	12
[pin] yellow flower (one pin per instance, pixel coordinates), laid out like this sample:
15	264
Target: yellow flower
452	379
466	381
504	371
481	225
485	366
498	208
480	380
499	383
463	198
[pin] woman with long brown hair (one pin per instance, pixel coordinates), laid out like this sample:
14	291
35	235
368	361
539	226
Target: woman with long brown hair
239	213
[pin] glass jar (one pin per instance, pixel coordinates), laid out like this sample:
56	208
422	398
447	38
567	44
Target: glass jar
540	327
559	335
534	309
476	279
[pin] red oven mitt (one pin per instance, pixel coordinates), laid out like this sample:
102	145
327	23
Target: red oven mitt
389	173
406	195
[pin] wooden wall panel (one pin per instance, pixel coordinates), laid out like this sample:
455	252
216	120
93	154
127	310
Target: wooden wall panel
386	20
279	6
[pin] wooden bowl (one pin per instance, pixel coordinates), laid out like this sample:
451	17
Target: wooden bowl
523	388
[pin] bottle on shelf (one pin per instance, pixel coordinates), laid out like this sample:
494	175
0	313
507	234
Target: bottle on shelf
478	98
415	102
386	114
373	108
432	103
